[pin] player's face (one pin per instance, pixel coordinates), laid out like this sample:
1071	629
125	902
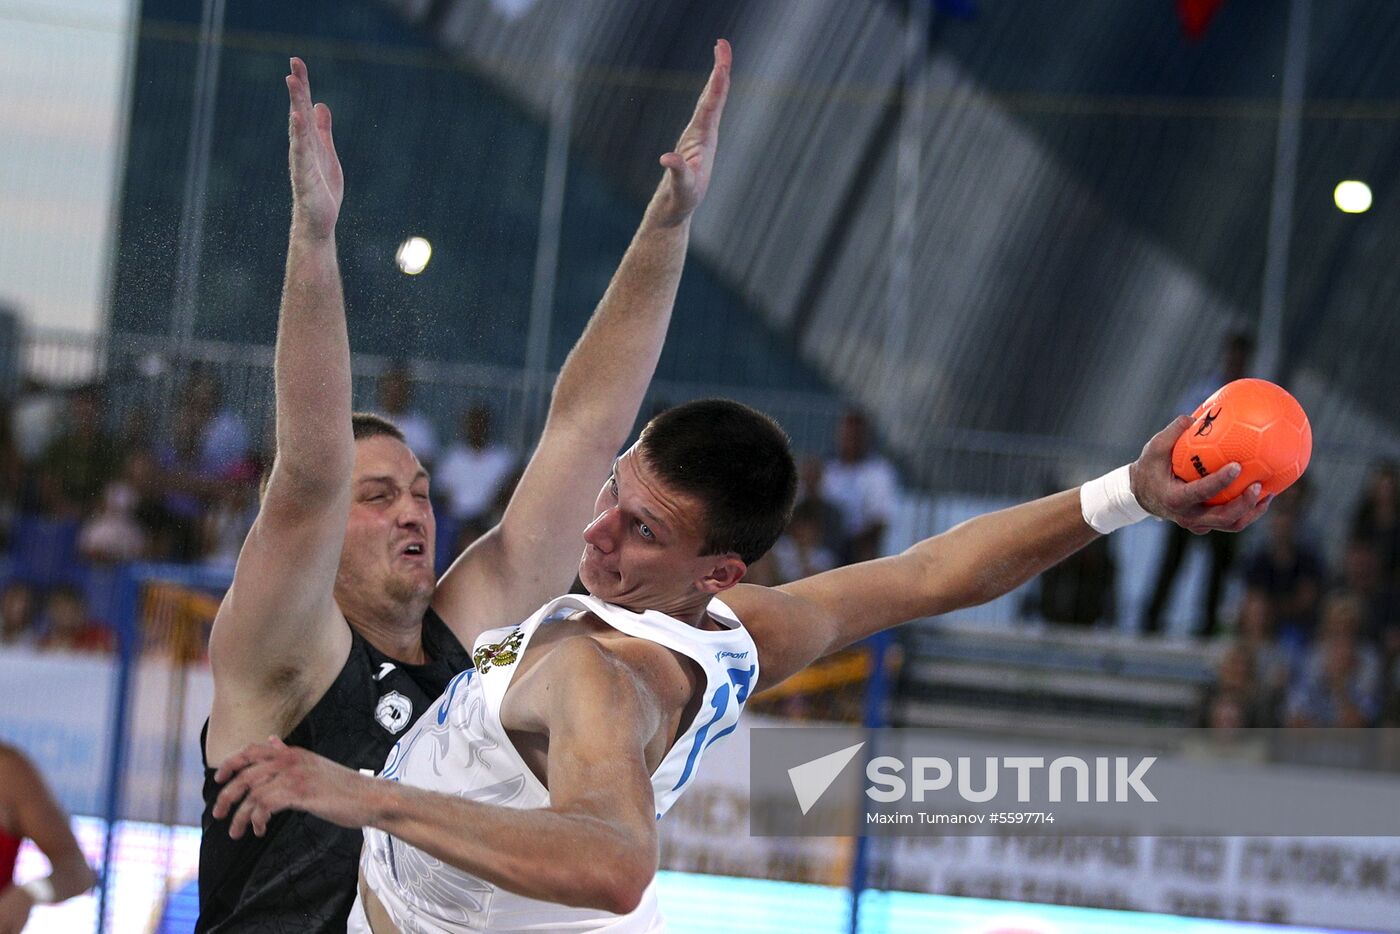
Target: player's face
642	550
388	550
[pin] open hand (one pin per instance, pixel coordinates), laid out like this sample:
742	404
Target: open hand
1163	494
688	166
317	183
269	777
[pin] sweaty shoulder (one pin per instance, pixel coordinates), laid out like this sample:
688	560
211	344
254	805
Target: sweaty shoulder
761	608
789	628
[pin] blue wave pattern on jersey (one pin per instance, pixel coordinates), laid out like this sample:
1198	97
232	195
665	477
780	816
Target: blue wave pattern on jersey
742	680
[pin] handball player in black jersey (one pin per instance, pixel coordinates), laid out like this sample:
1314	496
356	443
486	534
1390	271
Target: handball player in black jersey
335	634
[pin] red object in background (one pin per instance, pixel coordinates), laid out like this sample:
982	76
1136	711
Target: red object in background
1196	15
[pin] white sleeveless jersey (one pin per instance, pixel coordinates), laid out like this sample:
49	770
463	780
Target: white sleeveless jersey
459	747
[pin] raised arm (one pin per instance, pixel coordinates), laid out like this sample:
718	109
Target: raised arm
970	564
533	554
277	630
594	846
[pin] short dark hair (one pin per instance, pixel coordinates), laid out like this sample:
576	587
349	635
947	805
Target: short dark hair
362	425
736	461
368	425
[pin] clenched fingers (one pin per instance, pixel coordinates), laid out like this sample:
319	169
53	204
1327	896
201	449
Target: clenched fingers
1232	516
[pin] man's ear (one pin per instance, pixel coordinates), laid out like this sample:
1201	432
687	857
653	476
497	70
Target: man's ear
726	571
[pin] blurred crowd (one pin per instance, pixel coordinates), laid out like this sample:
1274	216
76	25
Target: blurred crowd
84	489
1316	640
843	510
1309	638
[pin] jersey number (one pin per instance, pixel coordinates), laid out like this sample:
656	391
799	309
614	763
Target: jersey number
741	679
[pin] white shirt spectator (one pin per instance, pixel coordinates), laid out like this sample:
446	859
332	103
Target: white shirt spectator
224	444
418	434
864	491
37	417
470	478
796	561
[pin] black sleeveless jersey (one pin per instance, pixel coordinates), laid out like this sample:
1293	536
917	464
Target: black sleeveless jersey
301	877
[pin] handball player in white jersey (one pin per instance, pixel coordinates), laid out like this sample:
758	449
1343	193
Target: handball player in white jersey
526	798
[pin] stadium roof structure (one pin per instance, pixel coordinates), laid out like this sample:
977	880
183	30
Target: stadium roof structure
1093	193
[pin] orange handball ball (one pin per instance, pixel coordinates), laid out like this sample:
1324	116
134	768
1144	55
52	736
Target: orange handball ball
1254	423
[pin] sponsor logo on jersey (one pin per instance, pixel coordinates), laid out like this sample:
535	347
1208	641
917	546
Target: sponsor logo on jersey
721	656
394	712
502	654
384	669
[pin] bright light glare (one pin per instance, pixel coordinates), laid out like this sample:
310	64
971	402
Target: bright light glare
1353	197
413	255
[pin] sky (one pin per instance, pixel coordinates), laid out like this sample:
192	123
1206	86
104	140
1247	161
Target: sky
63	67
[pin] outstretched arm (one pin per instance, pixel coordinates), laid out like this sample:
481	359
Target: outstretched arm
533	554
594	846
278	626
970	564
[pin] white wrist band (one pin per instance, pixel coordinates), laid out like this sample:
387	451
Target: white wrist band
1108	503
40	891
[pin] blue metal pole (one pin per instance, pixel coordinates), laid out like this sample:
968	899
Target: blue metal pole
877	693
127	650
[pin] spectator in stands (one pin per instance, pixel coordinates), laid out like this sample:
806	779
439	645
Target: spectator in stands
205	455
1237	679
1390	708
1273	665
11	475
810	473
18	609
70	628
1082	589
223	438
37	415
1340	684
28	811
1288	569
1228	717
228	522
115	533
469	533
1361	576
395	398
472	470
77	463
187	486
801	551
136	432
1234	363
162	530
1227	711
1377	520
863	486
